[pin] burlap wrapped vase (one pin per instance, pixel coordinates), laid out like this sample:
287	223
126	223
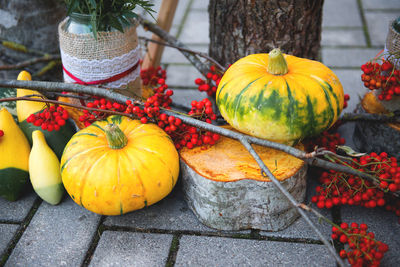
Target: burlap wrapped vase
392	46
111	60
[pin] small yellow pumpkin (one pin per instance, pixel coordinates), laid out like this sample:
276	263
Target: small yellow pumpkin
119	165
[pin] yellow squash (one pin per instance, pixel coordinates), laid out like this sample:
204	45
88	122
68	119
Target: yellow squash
55	139
119	165
14	158
279	97
44	170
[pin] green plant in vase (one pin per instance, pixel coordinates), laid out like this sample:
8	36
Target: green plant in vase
99	44
106	15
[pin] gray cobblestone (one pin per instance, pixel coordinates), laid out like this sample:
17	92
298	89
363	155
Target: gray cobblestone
16	211
347	57
378	25
56	236
200	4
171	213
7	231
341	13
379	4
196	28
213	251
352	85
173	55
343	37
131	249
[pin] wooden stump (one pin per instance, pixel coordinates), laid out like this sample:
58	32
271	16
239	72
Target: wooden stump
223	186
376	137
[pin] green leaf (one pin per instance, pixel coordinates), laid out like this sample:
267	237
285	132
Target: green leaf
115	23
93	22
350	152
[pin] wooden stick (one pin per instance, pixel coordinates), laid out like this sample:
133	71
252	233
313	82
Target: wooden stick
164	21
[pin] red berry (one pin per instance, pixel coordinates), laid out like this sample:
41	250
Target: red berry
1	133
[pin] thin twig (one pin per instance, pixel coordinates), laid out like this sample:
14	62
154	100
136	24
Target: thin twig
200	66
28	98
30	62
292	200
201	54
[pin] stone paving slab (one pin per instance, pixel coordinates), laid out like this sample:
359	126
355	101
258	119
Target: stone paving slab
200	4
343	37
341	13
16	211
378	25
173	55
171	213
379	4
180	11
347	57
7	232
56	236
385	226
182	75
196	28
352	85
131	249
213	251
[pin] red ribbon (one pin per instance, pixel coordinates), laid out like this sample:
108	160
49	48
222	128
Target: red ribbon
108	80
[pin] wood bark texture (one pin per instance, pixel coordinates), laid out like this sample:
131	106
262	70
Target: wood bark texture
242	27
243	204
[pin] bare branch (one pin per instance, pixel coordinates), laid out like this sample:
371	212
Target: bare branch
201	54
30	62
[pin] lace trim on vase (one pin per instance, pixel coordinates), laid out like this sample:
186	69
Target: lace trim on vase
93	70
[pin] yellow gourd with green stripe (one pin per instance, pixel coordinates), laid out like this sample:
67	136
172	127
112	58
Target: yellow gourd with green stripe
14	158
279	97
44	170
119	165
55	139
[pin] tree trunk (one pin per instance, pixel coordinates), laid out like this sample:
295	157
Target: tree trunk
242	27
31	23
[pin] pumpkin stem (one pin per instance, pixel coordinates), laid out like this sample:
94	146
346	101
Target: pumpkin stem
277	64
115	137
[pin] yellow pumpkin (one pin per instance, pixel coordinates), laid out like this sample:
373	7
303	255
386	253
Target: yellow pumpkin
279	97
119	165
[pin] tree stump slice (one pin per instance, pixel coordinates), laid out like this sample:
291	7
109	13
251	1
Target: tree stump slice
376	137
224	187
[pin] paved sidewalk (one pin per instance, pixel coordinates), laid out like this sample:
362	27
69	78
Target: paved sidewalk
33	233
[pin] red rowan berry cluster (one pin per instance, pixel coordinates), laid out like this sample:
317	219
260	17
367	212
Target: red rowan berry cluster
51	118
381	76
182	134
210	84
341	188
151	76
89	117
362	247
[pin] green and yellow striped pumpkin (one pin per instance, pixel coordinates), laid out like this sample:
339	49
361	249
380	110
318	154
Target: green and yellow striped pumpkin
279	97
